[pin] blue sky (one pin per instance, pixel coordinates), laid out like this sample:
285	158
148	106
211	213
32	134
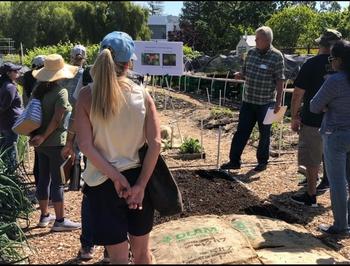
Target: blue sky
170	7
174	7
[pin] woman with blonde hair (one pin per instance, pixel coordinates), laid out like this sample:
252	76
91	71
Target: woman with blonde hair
114	118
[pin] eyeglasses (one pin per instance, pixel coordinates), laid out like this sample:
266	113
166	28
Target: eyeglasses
331	58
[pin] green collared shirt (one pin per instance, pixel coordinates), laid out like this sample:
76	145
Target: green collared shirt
261	72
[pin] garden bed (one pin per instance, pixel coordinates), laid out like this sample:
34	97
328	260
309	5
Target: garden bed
204	190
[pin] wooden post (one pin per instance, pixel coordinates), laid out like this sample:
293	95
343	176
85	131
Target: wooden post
218	153
208	96
201	138
228	72
21	58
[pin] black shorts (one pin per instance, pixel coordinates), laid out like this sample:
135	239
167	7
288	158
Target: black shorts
111	217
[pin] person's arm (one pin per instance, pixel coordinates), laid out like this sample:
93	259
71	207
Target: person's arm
53	125
279	89
78	87
86	145
322	98
297	98
279	77
241	74
7	97
68	149
152	130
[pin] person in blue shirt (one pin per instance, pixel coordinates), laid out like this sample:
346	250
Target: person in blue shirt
333	98
10	109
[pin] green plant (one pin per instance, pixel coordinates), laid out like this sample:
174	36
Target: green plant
14	205
166	145
190	53
190	145
62	49
220	112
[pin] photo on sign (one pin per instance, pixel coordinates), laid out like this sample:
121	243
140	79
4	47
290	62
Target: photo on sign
169	59
150	59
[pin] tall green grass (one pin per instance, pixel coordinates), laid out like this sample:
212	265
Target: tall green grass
14	205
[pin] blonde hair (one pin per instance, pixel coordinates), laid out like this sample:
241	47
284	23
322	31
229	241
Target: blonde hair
107	95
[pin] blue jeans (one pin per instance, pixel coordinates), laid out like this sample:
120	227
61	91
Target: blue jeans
8	142
86	226
336	147
248	116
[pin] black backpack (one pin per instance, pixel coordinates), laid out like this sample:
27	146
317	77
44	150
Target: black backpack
86	76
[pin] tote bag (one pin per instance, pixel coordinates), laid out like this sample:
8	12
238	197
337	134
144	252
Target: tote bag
162	187
30	119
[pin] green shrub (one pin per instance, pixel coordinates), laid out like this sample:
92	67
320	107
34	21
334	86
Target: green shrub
190	145
62	49
189	53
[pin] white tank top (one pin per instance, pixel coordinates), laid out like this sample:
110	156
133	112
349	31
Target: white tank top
119	138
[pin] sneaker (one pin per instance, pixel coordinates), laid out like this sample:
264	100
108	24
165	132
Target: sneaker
330	230
323	186
45	220
303	182
66	225
260	167
302	170
230	165
106	258
305	199
86	253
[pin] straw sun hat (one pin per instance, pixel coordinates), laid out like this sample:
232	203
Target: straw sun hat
55	69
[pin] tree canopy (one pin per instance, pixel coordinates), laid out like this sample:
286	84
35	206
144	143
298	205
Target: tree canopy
214	27
44	23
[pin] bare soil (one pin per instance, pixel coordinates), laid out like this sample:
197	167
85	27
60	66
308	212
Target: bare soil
203	190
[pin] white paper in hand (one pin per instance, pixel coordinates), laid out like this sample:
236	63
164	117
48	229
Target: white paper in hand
271	117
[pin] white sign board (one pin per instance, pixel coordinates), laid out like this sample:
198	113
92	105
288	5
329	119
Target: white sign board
159	58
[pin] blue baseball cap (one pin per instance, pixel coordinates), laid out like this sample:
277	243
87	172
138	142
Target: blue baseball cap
121	44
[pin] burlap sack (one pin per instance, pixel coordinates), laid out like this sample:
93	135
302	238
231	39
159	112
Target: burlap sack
276	241
205	239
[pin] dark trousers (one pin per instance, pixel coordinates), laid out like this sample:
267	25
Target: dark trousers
36	168
86	237
248	116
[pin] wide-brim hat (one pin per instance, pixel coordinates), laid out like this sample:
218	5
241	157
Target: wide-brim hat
54	69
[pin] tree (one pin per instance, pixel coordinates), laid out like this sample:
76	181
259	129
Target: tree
155	7
332	6
286	4
23	23
5	12
45	23
216	26
294	26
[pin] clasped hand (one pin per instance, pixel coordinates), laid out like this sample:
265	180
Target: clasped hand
133	195
36	140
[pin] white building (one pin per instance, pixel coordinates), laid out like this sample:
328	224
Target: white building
245	43
161	25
